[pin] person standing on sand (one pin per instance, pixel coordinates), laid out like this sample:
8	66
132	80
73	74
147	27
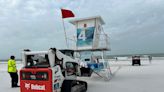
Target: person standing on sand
150	59
12	70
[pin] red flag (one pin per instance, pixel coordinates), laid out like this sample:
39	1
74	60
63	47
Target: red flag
67	13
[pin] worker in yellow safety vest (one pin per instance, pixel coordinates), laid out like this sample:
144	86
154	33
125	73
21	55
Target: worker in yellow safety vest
12	70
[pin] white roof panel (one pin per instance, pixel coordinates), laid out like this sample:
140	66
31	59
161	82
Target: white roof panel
81	19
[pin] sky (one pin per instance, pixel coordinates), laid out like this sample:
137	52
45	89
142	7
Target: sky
134	26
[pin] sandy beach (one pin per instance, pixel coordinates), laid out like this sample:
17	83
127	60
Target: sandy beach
126	78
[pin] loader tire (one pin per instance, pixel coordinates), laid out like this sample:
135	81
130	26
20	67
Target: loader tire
66	86
74	86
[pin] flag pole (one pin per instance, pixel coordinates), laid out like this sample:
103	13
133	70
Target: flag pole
65	33
66	14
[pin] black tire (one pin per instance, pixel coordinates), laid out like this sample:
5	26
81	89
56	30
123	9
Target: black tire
66	86
83	83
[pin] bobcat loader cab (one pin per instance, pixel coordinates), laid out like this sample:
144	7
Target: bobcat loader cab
50	71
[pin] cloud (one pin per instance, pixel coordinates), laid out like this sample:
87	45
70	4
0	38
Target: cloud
133	25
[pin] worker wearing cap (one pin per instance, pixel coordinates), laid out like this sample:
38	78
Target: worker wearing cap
12	70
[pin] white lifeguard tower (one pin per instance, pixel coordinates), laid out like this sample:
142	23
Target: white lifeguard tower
91	38
90	34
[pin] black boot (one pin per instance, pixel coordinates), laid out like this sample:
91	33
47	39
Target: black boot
15	85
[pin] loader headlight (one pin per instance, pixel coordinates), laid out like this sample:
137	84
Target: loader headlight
42	76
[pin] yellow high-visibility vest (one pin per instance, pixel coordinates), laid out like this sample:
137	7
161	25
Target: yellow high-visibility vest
12	66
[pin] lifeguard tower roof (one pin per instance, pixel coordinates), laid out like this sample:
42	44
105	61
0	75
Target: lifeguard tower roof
87	18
